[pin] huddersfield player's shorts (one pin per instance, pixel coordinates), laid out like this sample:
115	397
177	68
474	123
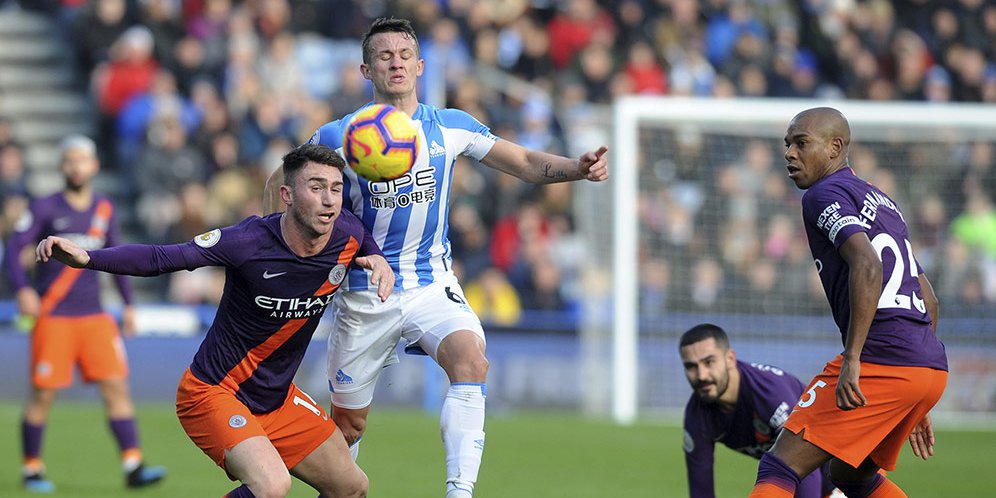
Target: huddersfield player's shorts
898	399
215	420
366	332
58	343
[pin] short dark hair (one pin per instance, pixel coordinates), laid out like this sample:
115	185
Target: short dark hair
705	331
297	158
387	25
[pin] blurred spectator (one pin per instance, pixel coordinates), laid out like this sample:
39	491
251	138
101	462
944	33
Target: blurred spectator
96	29
493	298
353	91
130	71
165	165
12	170
447	60
160	100
162	17
655	284
976	225
644	71
574	27
264	123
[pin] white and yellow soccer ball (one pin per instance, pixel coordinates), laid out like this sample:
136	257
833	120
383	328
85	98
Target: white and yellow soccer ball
380	143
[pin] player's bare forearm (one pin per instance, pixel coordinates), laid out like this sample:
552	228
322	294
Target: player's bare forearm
865	284
62	250
271	193
542	167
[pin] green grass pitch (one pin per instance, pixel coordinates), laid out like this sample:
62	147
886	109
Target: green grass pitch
528	455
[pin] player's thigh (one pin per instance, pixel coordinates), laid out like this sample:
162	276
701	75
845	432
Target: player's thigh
931	384
256	463
102	353
853	435
297	427
330	469
54	348
365	333
213	418
437	311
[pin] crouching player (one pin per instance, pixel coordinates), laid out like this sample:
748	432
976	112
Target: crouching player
742	405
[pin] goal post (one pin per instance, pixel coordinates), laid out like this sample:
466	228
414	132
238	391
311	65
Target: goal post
706	226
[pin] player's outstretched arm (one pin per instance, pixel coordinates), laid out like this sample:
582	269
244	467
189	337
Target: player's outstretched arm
922	438
381	274
541	167
62	250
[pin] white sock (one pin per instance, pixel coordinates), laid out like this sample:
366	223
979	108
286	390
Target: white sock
354	449
461	424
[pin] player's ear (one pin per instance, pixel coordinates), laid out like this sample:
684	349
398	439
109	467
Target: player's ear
286	195
731	356
836	147
365	71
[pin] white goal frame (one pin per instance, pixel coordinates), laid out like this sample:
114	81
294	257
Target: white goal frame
927	119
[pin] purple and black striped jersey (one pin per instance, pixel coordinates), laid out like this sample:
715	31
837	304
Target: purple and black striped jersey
766	397
65	291
272	301
839	206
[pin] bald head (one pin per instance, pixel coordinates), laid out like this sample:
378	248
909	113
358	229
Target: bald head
826	122
816	145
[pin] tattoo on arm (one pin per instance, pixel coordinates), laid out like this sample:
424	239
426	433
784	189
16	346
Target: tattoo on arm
549	173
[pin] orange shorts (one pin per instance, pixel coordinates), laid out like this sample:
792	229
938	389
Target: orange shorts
91	341
898	398
215	420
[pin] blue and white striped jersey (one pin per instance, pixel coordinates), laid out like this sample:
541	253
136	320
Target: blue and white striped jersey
409	216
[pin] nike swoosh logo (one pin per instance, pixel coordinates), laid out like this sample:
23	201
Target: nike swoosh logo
267	275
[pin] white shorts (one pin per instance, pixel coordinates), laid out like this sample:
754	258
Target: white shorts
366	332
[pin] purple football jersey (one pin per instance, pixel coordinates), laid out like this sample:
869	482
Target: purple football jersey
65	291
766	397
272	301
834	209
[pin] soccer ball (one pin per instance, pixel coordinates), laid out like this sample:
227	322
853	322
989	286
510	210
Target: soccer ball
380	143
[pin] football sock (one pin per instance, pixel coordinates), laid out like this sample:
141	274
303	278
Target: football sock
878	486
240	492
811	486
775	479
126	435
461	424
354	449
31	440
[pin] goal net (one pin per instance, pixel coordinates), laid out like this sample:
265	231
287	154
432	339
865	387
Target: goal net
703	225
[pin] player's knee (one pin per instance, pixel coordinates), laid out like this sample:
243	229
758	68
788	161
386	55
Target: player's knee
272	485
473	368
358	486
351	423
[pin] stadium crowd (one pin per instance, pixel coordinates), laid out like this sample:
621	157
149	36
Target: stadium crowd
197	100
